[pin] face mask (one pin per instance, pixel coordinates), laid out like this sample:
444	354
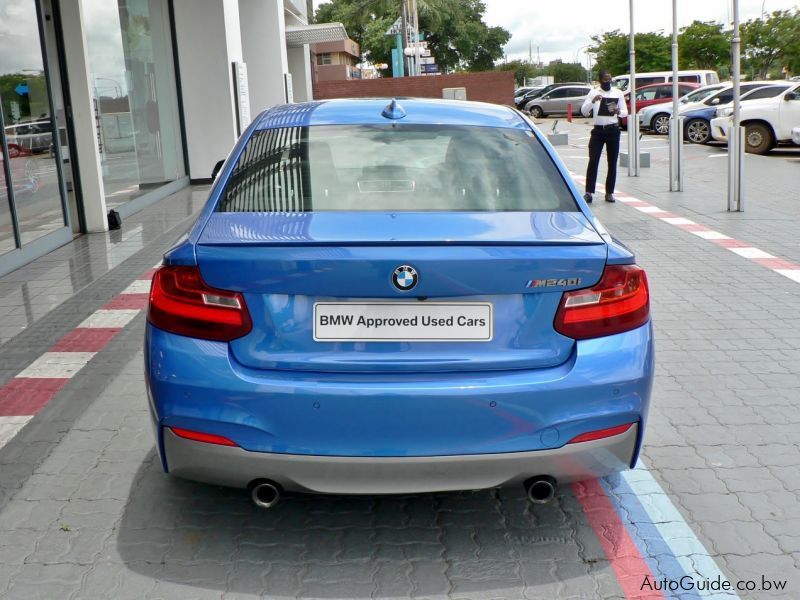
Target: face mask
606	86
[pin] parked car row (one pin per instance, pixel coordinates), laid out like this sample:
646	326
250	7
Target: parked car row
525	100
768	118
557	99
770	110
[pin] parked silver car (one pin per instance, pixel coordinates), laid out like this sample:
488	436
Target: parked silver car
556	100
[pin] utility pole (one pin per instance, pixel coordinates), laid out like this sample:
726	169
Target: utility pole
404	27
675	122
736	132
633	121
417	67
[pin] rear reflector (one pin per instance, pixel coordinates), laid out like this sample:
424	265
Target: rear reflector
619	302
207	438
600	434
181	302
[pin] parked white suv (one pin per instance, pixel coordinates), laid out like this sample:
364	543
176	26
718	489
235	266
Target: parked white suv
767	122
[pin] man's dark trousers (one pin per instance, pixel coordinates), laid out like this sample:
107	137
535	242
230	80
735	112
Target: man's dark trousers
608	137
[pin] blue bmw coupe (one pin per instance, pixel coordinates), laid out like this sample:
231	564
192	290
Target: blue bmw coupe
397	296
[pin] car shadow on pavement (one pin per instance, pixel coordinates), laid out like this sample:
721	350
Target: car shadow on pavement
197	539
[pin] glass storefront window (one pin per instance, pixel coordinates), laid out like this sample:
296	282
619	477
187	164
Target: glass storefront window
28	128
7	241
133	79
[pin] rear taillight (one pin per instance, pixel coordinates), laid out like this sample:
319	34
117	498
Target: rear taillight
619	302
182	303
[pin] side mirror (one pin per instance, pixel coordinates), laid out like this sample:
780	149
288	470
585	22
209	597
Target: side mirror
791	96
215	170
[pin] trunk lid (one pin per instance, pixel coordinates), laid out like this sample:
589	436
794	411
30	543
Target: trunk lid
285	264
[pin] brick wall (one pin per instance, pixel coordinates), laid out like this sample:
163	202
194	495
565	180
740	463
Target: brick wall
496	87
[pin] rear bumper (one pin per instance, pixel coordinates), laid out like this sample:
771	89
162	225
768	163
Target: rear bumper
198	385
224	465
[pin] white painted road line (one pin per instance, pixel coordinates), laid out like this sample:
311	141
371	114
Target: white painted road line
139	286
57	365
751	253
110	318
793	274
711	235
10	426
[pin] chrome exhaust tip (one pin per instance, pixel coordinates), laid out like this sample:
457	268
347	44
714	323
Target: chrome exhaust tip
540	489
265	494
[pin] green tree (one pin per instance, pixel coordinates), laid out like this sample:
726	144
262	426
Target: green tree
772	43
523	70
562	71
653	51
704	45
456	34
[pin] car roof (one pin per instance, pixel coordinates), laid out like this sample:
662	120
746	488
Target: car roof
368	111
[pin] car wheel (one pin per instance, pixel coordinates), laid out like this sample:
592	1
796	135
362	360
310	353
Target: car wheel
661	123
758	138
536	112
698	131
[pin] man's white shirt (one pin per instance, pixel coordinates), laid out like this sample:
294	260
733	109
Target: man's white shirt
590	105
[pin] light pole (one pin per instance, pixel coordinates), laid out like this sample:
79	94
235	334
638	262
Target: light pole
675	122
633	122
736	132
585	49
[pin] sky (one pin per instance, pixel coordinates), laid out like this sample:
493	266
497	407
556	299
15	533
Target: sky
562	35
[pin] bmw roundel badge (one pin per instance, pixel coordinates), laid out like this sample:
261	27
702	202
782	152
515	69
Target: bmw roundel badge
405	278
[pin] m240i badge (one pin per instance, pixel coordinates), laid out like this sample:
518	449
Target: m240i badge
540	283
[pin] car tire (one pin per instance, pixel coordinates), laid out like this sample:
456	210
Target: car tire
661	123
758	138
698	131
536	112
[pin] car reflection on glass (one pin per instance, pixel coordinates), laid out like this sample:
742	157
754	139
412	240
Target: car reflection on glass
24	172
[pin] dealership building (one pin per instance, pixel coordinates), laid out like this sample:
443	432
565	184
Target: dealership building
115	104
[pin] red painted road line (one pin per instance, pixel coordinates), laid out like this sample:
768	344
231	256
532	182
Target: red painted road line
85	339
124	301
23	396
620	549
775	263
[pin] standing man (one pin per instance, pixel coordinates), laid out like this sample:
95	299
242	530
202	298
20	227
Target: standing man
606	105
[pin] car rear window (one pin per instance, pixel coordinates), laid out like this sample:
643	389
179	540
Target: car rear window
394	167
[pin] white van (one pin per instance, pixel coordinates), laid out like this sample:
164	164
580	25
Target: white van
697	76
